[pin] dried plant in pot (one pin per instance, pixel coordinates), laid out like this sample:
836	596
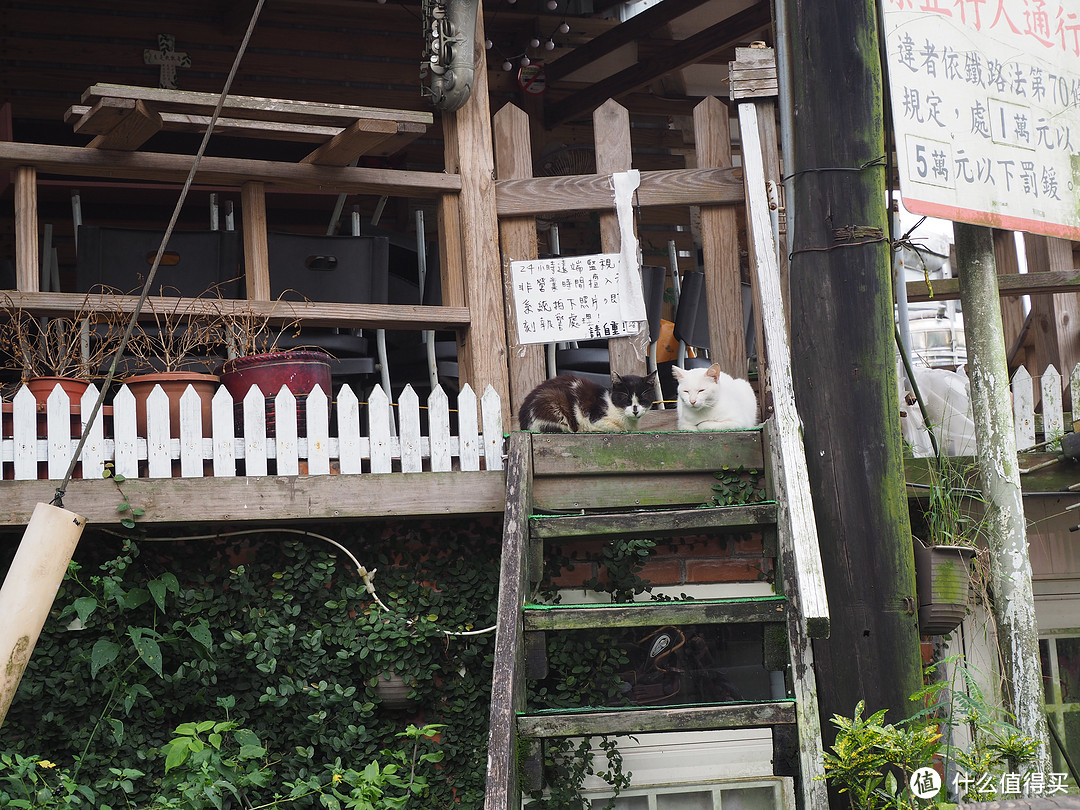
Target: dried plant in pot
175	346
70	351
947	544
258	359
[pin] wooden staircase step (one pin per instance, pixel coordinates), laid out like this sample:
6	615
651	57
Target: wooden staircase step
642	719
654	523
744	610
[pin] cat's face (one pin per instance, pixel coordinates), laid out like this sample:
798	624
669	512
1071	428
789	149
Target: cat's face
632	394
698	387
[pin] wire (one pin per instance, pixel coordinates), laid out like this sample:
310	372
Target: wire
368	576
58	498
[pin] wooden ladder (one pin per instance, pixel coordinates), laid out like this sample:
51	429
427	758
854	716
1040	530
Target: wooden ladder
654	485
566	487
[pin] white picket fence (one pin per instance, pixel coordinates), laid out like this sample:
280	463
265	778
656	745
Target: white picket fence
31	450
1053	416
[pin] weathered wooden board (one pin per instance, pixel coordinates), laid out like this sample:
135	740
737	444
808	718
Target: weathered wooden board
560	494
650	614
233	500
658	523
665	718
81	162
560	454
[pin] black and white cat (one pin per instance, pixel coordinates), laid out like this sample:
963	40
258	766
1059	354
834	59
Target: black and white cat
569	404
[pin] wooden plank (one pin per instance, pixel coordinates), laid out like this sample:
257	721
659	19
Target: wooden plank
246	500
131	131
353	316
592	192
660	523
796	520
354	141
558	493
720	244
717	37
256	247
517	236
611	143
663	718
266	109
1032	283
655	614
574	454
508	687
27	257
82	162
469	151
1012	309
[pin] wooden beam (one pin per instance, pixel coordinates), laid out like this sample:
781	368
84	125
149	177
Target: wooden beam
665	718
592	192
355	140
352	316
517	236
611	133
256	248
82	162
131	129
562	454
27	255
482	357
718	37
271	498
1038	283
659	523
751	610
720	244
637	27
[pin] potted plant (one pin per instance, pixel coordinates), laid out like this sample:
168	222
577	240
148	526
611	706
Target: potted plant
65	351
257	358
947	546
175	348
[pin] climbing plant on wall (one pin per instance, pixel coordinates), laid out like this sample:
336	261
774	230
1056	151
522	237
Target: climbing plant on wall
275	635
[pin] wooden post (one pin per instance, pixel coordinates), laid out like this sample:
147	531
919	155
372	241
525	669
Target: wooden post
999	477
611	138
513	159
482	357
720	244
256	252
844	362
1012	308
1055	319
27	278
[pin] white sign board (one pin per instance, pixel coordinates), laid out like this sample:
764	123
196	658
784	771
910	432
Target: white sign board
986	110
570	298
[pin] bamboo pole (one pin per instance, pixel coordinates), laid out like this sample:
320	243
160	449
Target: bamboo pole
29	590
999	476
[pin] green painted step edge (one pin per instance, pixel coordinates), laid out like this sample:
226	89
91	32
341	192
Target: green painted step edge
734	600
659	510
599	709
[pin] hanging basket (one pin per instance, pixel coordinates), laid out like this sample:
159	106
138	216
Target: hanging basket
393	691
943	581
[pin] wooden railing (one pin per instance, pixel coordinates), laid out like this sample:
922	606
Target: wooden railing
38	442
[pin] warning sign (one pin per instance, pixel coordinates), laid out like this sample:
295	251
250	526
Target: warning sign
531	79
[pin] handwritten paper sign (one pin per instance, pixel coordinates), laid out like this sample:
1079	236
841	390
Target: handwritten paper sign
986	108
569	298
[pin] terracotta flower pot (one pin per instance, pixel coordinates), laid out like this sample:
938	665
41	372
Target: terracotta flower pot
41	387
299	369
174	384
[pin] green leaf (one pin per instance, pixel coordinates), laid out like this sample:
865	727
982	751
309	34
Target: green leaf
200	631
103	654
157	590
84	606
176	753
149	650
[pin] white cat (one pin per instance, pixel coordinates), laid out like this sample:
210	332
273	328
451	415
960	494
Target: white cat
709	399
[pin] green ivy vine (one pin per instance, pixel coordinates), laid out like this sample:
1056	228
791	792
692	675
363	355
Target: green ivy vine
264	654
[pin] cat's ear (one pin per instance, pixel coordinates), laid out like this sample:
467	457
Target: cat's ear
616	378
651	379
677	372
714	371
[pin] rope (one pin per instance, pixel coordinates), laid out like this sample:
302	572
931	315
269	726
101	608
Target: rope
58	498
